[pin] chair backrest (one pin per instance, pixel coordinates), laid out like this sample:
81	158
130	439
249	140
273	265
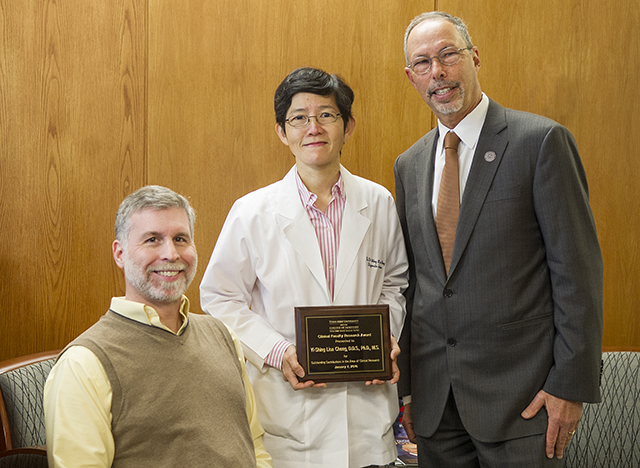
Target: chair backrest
21	400
23	460
609	434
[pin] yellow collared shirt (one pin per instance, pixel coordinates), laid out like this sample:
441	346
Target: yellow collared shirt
77	399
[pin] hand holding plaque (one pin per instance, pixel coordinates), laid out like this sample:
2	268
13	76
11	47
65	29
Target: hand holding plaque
344	343
293	372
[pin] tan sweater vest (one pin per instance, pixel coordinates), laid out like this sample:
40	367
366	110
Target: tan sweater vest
177	400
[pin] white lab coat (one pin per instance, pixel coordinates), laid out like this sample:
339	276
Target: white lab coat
267	261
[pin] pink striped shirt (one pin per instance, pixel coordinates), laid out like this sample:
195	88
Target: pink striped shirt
327	226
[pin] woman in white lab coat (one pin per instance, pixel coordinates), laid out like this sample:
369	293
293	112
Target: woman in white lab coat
320	236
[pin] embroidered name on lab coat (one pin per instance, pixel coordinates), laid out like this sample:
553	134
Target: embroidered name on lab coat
373	263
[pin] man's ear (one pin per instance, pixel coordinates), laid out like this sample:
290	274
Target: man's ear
118	253
476	58
407	70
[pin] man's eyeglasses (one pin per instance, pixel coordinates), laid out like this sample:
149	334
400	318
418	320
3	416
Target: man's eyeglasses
301	120
448	56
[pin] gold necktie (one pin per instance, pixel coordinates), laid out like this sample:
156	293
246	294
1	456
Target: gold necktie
448	199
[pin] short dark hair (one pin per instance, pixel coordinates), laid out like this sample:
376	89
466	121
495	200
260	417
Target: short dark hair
314	81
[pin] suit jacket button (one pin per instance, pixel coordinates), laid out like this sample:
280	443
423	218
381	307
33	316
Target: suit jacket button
452	342
447	293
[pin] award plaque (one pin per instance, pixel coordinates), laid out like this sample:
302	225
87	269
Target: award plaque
344	343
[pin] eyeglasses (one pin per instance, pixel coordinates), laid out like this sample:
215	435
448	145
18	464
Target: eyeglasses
301	120
448	56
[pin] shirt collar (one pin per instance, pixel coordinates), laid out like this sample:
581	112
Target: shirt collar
469	128
146	314
308	198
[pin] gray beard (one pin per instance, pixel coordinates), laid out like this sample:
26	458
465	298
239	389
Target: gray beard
140	280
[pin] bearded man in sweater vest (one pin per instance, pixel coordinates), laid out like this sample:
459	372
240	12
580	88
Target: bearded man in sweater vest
151	385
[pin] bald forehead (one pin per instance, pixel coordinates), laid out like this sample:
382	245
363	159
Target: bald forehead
431	36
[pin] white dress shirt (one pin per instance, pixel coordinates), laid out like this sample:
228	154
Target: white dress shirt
468	130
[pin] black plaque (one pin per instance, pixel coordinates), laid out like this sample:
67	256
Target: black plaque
344	343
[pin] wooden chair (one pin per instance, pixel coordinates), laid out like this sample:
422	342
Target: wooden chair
22	431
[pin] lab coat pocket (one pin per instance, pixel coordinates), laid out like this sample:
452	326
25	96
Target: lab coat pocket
281	409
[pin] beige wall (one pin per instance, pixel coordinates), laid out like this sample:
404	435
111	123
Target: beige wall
72	145
99	98
578	63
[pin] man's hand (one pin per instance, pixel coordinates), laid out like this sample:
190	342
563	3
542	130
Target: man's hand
395	371
407	423
291	370
564	416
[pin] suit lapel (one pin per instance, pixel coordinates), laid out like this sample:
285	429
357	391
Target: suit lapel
423	172
481	175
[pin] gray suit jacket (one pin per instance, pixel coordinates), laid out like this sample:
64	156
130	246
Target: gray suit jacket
521	309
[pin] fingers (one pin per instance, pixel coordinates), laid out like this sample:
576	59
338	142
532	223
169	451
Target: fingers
395	376
552	438
290	361
558	442
536	405
294	382
564	439
292	371
395	348
395	370
395	352
564	416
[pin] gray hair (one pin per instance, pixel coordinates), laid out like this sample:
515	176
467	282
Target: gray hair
151	197
457	22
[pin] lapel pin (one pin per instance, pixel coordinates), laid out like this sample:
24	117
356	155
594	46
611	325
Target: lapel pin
489	156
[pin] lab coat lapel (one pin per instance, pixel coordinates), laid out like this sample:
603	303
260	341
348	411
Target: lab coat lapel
298	230
354	229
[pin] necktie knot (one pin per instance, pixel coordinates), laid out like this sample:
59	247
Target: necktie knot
451	141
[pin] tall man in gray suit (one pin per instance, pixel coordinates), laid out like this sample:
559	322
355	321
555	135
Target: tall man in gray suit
503	337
